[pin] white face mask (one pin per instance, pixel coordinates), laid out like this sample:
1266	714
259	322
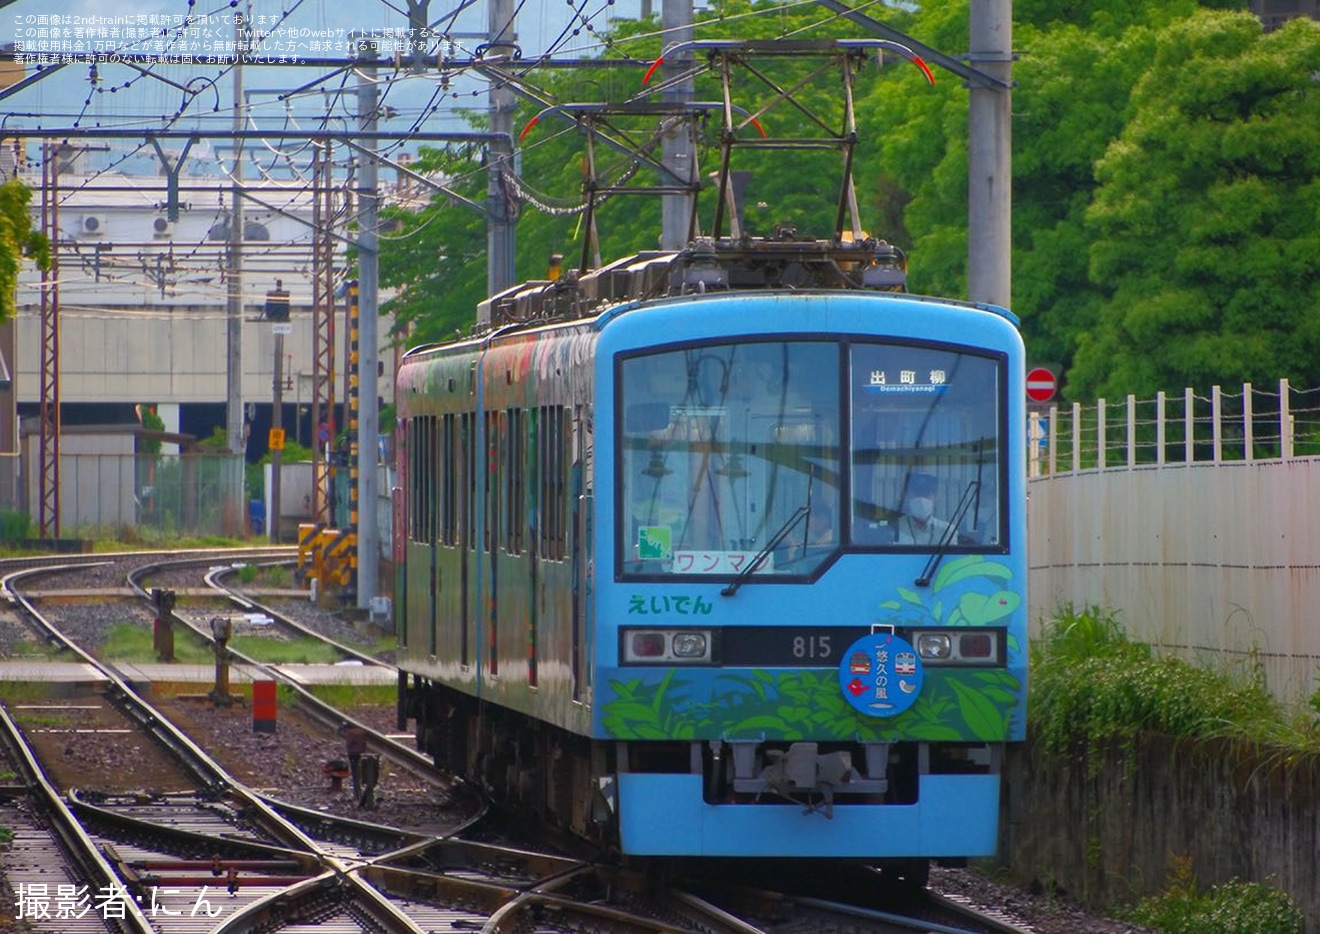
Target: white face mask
921	507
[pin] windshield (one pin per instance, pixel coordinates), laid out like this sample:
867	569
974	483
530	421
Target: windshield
925	451
730	455
723	445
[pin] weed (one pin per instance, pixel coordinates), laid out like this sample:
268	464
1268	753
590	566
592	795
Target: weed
1232	908
130	642
1090	683
307	651
356	695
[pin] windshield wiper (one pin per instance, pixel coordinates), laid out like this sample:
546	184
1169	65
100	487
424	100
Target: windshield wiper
770	546
950	534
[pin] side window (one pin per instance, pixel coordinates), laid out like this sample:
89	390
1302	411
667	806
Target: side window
515	507
468	512
449	481
551	481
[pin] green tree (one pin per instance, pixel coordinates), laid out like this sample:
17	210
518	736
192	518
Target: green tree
17	240
436	259
1203	229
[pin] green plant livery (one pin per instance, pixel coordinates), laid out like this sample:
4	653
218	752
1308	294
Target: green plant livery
791	705
971	608
956	704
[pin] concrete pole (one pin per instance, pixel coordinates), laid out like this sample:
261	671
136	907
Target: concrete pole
677	150
368	533
501	241
990	155
234	265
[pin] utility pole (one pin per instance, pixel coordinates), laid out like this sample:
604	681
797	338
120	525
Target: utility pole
677	152
277	312
500	212
234	263
990	155
324	419
276	436
49	470
368	534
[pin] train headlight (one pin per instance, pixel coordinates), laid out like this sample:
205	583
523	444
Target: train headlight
658	646
972	646
934	645
690	644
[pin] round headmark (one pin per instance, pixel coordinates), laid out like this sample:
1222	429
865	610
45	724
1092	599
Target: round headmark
881	675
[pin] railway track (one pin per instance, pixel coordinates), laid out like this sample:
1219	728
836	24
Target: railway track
220	856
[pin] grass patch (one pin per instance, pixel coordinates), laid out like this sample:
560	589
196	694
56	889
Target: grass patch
273	576
129	642
18	693
1089	682
356	695
298	652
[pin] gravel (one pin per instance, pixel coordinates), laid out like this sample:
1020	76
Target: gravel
1030	907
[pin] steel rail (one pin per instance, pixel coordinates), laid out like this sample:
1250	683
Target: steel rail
70	836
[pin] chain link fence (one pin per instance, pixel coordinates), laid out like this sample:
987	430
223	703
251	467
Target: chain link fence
148	496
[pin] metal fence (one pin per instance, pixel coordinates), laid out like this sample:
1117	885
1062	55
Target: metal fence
1252	424
153	495
1189	518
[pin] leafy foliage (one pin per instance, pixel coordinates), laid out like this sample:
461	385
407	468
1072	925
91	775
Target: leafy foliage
1232	908
17	240
1090	683
1165	185
15	526
1203	226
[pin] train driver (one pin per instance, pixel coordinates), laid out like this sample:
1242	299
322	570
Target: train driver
918	525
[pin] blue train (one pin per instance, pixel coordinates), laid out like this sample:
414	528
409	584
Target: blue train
721	553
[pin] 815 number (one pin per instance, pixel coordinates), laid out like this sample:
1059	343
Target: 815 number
814	648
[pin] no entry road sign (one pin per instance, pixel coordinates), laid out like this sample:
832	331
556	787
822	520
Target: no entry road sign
1041	384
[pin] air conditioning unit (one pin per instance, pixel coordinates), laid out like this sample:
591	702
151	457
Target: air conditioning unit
92	225
162	228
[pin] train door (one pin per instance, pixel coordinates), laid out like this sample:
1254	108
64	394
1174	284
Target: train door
583	525
467	534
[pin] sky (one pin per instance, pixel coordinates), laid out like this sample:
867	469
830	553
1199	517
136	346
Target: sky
191	92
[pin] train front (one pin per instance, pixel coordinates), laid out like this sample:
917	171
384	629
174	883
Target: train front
809	611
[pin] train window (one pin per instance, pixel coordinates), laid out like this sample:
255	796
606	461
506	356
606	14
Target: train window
449	475
551	481
494	441
515	511
926	451
414	471
421	482
432	505
468	521
730	455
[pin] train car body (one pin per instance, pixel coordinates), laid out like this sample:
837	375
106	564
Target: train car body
721	553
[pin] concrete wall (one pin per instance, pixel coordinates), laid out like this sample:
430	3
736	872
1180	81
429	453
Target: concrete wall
1133	812
1218	563
173	355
